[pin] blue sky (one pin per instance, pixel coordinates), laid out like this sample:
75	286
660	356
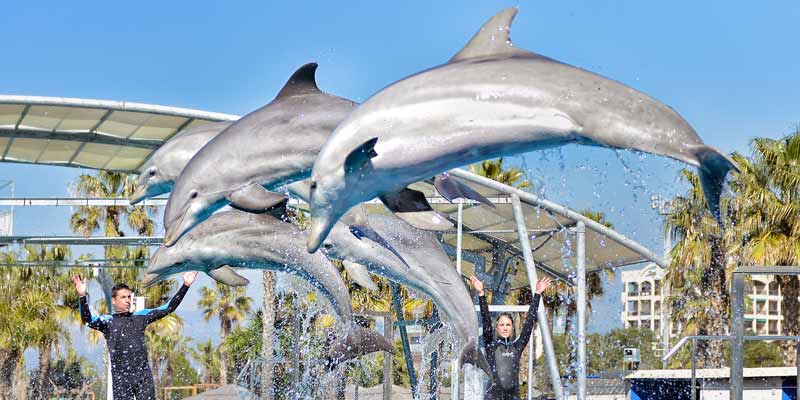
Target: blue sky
729	67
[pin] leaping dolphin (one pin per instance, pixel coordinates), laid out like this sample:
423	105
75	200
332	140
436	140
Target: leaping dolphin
262	241
158	174
269	147
273	146
416	260
492	99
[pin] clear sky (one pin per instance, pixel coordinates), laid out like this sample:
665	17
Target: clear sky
729	67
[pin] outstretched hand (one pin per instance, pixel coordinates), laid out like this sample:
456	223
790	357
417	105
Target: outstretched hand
80	285
543	284
477	284
188	277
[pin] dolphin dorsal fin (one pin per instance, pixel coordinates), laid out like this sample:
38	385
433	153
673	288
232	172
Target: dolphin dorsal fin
492	39
303	81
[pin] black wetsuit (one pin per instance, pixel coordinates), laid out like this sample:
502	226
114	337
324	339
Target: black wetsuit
504	354
124	332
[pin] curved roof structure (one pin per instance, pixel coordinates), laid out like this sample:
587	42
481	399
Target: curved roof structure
97	134
120	136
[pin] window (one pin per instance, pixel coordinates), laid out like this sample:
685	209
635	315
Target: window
761	306
773	327
631	324
658	287
633	307
773	307
657	307
646	307
773	288
759	287
633	289
647	289
657	327
760	325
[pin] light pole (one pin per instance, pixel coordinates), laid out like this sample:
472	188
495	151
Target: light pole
664	208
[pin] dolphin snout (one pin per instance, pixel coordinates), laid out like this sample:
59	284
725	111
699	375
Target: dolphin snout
138	194
317	233
149	279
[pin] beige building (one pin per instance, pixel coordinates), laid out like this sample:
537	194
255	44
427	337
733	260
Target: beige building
644	292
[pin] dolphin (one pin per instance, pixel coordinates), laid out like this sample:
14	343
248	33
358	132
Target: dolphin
158	174
492	99
416	260
262	241
267	148
273	146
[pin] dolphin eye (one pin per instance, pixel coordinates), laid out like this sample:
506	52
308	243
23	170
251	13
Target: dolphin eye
152	171
313	185
327	246
193	194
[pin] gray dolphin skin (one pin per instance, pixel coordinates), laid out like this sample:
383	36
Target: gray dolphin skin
426	268
158	174
262	241
492	99
267	148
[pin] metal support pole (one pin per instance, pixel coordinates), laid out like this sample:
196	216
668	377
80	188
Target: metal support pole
581	271
694	365
388	381
459	235
455	369
547	342
433	386
398	309
737	342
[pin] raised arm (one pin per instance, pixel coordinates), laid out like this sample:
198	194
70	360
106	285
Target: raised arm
153	315
486	318
97	323
530	321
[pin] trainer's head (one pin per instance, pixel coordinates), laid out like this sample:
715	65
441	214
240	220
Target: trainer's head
121	298
505	326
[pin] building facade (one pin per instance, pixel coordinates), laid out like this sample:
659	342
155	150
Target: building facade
644	293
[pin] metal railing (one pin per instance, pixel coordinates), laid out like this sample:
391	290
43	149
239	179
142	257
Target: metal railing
695	338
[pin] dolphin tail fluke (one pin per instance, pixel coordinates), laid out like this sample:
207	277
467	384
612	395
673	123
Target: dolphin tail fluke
359	341
411	206
714	166
452	189
226	275
471	354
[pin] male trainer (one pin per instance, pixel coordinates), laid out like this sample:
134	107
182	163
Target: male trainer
131	376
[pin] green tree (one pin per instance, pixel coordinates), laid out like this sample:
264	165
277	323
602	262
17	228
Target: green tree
494	170
698	270
230	305
206	355
767	210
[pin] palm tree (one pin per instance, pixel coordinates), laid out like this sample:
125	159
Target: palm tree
230	305
207	356
698	270
48	329
165	341
493	169
767	207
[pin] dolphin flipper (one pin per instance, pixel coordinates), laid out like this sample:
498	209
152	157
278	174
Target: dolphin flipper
411	206
359	341
472	355
358	273
714	166
452	189
226	275
254	198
